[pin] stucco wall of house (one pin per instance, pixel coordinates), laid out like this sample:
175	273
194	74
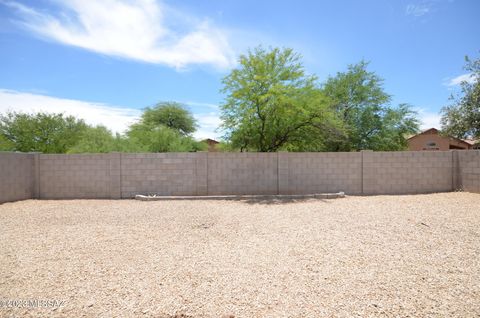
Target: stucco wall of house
421	142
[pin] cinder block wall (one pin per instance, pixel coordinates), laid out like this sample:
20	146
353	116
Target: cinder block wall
159	173
242	173
407	172
79	176
16	176
116	175
469	170
320	172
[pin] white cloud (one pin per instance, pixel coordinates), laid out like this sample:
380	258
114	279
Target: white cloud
429	119
144	30
418	10
209	122
114	118
469	78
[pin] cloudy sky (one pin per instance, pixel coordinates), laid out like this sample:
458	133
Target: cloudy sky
105	60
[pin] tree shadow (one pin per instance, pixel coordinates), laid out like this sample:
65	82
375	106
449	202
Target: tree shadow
278	201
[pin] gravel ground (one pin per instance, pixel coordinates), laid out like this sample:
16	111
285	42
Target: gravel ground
385	256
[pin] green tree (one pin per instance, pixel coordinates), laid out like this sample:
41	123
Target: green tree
271	104
172	115
162	139
40	132
461	119
164	128
361	103
397	123
96	140
5	144
100	140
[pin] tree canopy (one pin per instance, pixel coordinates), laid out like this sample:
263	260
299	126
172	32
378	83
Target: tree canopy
40	132
172	115
364	107
162	139
166	127
273	104
101	140
461	118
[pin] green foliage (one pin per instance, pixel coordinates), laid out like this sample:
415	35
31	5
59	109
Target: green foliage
164	128
125	144
100	140
41	132
225	146
273	104
5	144
461	119
360	102
172	115
397	123
162	139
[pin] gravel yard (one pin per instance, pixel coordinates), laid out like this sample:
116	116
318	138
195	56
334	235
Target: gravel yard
386	256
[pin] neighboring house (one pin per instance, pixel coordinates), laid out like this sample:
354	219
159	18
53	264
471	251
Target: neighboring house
431	139
475	143
212	144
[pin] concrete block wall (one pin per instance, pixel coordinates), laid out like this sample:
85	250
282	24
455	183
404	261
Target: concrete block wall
242	173
159	173
321	172
16	176
77	176
121	175
469	170
201	173
407	172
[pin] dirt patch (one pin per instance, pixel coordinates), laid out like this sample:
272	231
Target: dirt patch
386	256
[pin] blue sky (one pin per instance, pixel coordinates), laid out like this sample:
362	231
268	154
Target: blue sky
106	60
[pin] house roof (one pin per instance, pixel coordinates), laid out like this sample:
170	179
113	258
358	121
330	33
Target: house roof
435	131
211	141
471	141
425	132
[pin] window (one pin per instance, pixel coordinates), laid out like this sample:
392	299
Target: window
431	145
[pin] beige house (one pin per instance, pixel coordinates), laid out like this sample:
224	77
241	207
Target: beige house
431	139
212	144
